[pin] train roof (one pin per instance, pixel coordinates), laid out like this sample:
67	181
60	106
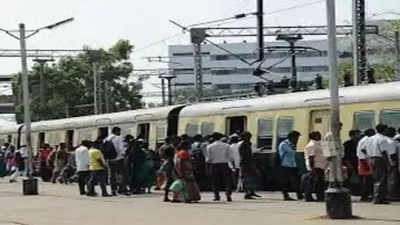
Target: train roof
131	116
367	93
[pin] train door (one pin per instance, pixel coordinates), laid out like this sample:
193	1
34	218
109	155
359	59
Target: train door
173	121
236	124
143	131
42	138
320	121
70	139
103	132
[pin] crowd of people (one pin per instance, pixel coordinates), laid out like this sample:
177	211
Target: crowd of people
184	166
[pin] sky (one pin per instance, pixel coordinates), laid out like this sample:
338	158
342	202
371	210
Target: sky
101	23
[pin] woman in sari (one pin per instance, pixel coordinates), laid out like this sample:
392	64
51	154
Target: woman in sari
184	172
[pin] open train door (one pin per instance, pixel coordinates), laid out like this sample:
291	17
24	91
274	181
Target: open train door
320	121
173	121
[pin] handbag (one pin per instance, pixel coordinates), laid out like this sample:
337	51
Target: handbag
364	167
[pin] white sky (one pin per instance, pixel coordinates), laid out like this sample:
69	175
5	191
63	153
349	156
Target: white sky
100	23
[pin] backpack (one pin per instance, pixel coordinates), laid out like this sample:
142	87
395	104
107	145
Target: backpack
109	150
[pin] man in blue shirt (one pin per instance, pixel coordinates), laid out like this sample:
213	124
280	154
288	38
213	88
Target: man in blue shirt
289	169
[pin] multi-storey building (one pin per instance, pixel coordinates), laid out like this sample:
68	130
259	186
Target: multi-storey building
223	70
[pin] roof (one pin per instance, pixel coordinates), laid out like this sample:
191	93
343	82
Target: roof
132	116
367	93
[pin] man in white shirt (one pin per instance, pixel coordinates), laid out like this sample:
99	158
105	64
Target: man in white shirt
218	156
235	164
379	150
316	163
116	165
364	159
82	165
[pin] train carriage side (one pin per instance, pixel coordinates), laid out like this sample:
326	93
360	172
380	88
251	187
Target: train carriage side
270	118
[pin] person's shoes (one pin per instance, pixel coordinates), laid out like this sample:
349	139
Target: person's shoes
300	196
228	198
126	193
13	181
91	194
216	198
249	197
381	202
166	200
157	188
256	195
106	195
288	198
310	200
175	201
114	193
365	200
83	193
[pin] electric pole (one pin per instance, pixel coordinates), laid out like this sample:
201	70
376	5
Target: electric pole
260	29
162	90
338	200
397	44
107	96
359	42
95	91
42	81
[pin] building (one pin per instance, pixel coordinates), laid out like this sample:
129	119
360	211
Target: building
225	71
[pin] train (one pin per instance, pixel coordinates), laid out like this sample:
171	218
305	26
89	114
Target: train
269	118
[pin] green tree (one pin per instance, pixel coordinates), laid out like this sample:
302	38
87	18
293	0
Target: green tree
69	84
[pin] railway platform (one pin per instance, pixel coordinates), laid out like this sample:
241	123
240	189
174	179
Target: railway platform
60	204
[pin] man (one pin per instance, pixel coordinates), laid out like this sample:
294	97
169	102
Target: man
82	165
350	159
60	160
198	162
235	165
218	156
393	173
117	164
19	164
379	150
289	168
364	167
247	167
97	167
316	164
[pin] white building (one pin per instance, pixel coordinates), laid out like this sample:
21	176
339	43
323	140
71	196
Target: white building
222	70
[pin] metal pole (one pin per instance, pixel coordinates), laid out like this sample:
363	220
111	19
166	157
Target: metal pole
293	82
397	44
338	201
197	69
260	29
359	47
169	92
25	89
106	96
41	84
96	110
163	91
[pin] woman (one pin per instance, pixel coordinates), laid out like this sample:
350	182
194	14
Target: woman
184	172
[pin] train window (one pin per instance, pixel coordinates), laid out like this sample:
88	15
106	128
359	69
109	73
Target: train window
265	133
143	131
285	126
207	128
391	118
160	134
364	120
192	129
9	139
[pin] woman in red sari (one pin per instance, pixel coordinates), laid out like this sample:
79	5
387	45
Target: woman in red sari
184	172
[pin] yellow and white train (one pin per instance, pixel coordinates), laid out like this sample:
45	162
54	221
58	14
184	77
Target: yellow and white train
268	118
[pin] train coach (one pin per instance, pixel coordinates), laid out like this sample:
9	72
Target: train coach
268	118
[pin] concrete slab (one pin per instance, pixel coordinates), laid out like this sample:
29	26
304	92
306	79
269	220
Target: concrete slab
60	204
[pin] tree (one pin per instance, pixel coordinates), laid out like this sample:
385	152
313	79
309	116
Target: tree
69	84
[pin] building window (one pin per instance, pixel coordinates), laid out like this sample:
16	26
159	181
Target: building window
364	120
265	133
391	118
